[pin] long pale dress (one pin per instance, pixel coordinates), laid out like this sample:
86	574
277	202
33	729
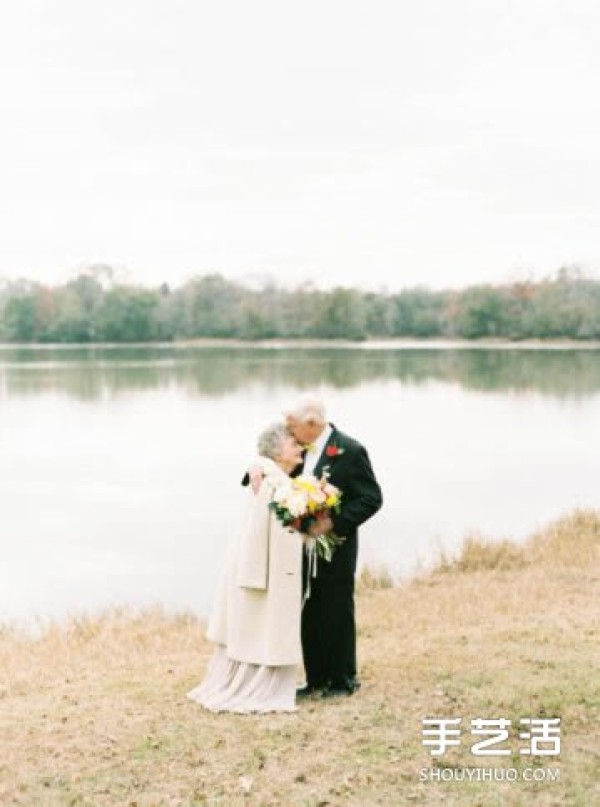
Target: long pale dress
255	623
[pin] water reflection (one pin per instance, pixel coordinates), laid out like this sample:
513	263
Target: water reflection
120	468
97	372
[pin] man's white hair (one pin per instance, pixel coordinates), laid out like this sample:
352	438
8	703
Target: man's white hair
308	410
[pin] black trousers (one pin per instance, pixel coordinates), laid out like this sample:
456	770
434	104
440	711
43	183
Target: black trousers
329	632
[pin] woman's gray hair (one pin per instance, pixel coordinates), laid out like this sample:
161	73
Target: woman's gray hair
269	442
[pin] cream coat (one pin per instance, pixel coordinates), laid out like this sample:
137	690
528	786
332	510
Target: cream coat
257	610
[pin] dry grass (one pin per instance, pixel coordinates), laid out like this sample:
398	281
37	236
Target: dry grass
372	578
477	554
94	712
574	540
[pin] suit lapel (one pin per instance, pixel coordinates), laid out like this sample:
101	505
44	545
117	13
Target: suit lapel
324	460
299	469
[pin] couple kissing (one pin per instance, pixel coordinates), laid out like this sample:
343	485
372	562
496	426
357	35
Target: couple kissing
286	596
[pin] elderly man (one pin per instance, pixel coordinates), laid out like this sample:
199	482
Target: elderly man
328	626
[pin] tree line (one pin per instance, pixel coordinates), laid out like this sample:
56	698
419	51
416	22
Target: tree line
94	307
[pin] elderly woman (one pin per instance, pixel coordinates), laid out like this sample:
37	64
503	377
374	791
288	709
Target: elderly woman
256	620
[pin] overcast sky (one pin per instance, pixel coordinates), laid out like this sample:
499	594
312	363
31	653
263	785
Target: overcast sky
386	143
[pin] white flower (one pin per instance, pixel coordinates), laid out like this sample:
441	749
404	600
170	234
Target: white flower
318	496
282	492
296	503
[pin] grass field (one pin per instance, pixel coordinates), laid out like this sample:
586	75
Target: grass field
94	712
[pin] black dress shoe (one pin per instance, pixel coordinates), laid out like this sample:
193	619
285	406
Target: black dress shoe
339	691
307	691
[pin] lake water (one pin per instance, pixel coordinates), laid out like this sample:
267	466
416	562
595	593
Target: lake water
120	466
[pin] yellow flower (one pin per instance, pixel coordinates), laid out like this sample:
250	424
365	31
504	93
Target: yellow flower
304	484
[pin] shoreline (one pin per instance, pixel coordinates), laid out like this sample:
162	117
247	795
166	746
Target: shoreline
397	343
473	554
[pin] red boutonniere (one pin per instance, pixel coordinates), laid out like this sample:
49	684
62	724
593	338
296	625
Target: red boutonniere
333	451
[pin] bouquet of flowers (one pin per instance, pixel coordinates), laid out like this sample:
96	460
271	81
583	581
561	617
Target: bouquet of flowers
305	500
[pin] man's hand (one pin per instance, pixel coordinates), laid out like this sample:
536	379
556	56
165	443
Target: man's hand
256	477
321	527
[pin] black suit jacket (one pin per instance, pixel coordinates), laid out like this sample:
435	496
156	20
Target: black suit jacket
349	468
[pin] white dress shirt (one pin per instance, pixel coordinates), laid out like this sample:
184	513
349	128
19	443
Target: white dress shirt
315	451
